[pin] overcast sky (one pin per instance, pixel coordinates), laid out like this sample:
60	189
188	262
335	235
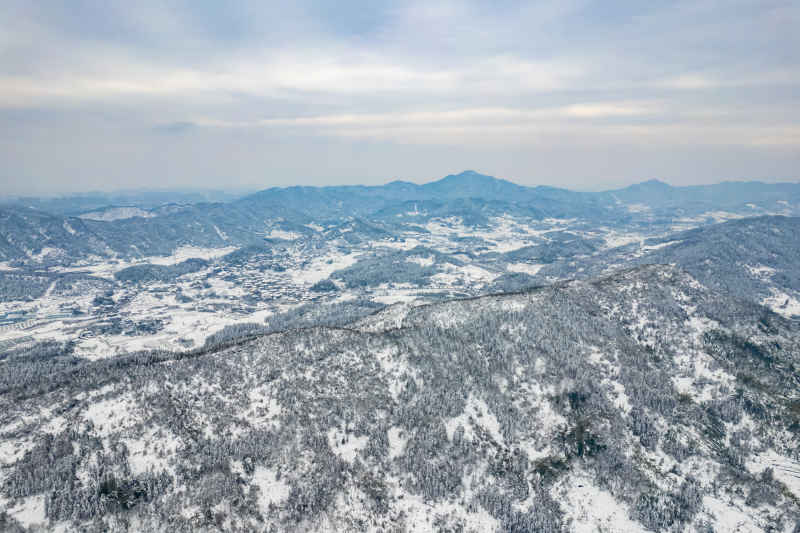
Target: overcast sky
579	94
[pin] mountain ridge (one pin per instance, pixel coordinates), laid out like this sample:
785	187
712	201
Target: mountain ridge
26	233
638	401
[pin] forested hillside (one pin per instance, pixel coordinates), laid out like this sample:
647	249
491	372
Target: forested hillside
638	401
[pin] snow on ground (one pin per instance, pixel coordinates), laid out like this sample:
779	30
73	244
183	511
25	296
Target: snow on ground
189	252
785	470
590	508
760	271
716	216
322	267
390	317
48	252
284	235
315	227
649	247
420	515
264	409
111	413
151	452
12	450
397	442
618	396
722	216
699	376
698	379
222	234
116	213
476	414
394	367
638	208
614	239
225	288
470	275
729	517
346	445
272	488
525	268
782	303
29	511
422	261
396	293
537	445
408	243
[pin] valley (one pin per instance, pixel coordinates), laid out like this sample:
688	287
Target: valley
470	356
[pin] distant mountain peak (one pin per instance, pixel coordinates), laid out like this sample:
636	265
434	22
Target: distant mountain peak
399	183
654	183
470	176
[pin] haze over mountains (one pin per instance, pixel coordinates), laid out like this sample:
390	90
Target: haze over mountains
145	229
464	355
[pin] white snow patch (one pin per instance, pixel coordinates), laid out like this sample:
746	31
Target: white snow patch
396	293
264	408
283	235
476	414
407	243
394	366
637	208
271	489
729	517
222	234
116	213
648	247
346	445
760	271
47	252
111	413
614	239
420	515
525	268
785	470
322	267
782	303
315	227
421	261
717	216
469	274
29	511
591	508
150	452
190	252
397	442
390	317
620	400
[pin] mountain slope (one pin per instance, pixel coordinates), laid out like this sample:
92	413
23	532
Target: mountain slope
725	195
754	258
26	234
639	401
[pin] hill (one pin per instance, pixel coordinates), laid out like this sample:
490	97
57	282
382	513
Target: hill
638	401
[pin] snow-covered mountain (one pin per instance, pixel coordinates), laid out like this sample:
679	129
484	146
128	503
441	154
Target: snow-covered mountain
640	401
463	355
29	233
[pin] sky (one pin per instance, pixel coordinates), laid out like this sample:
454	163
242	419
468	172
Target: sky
108	95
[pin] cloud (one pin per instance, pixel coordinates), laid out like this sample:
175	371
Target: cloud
450	78
175	128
